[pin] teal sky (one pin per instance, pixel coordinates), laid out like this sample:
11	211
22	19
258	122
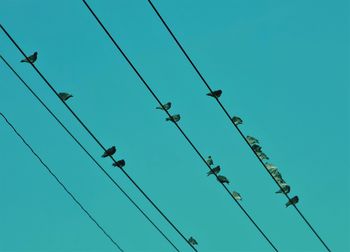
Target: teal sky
283	67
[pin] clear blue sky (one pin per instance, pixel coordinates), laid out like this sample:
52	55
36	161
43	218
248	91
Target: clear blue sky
283	67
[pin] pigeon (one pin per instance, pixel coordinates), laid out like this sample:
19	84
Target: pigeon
285	188
173	118
236	195
256	148
223	179
165	106
292	201
192	241
262	155
65	96
119	163
251	140
236	120
209	161
109	152
215	170
276	174
270	166
31	59
216	93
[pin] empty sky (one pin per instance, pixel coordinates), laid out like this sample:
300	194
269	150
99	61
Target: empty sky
283	67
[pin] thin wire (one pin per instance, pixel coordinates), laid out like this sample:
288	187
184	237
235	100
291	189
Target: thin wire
99	143
61	183
87	152
179	128
229	117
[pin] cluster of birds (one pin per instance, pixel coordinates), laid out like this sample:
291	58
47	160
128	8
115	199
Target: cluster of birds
222	179
64	97
253	142
273	170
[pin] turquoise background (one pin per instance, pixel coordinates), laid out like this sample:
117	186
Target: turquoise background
283	67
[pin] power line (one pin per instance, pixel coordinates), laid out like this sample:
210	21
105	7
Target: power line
87	152
179	128
99	143
230	118
61	183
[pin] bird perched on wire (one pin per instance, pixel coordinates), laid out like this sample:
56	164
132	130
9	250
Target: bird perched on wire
236	195
251	140
223	179
292	201
65	96
192	241
215	170
209	161
174	118
109	152
256	148
31	59
262	155
119	163
165	106
236	120
285	188
270	167
216	93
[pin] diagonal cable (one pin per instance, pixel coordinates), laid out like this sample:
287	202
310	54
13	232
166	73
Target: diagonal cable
98	142
87	152
61	184
178	127
229	117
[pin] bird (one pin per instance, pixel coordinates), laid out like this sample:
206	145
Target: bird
65	96
223	179
31	59
270	166
174	118
192	241
215	170
262	155
285	188
209	161
119	163
256	148
165	106
236	120
251	140
292	201
236	195
276	174
216	93
109	152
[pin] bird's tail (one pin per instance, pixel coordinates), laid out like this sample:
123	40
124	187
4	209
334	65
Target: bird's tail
23	60
279	191
209	173
158	108
168	119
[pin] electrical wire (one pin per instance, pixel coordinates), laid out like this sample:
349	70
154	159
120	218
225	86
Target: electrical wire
178	127
230	118
87	152
98	142
61	183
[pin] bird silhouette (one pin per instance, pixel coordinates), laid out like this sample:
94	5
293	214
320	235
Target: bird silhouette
109	152
165	106
31	59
